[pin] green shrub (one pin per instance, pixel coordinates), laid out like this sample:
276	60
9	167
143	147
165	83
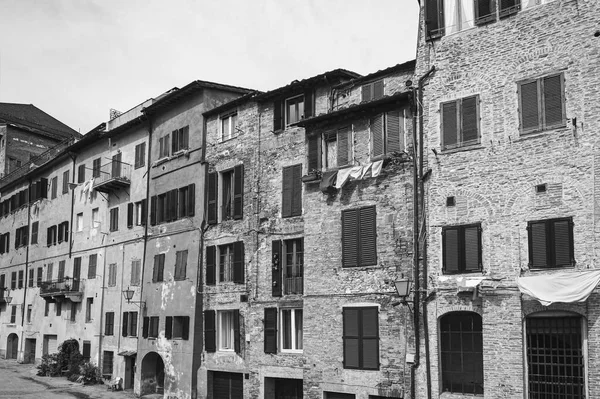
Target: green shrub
91	373
50	365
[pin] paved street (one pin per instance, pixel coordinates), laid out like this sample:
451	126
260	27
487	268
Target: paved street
21	381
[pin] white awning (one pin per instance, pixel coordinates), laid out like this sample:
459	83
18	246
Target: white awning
565	287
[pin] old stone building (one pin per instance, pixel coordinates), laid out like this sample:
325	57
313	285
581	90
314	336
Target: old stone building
510	123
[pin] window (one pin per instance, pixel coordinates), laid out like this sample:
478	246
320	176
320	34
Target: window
232	194
114	219
46	308
54	184
461	353
39	278
291	329
95	218
58	307
107	363
73	316
29	310
173	204
79	221
180	264
109	323
461	249
372	91
112	275
88	309
21	236
294	109
387	134
140	213
337	148
186	201
227	195
291	191
542	103
30	281
13	281
140	155
92	266
228	329
361	338
49	272
129	328
359	237
163	147
52	235
61	270
551	243
460	122
81	173
87	349
228	385
4	243
270	329
65	182
229	261
159	268
180	139
135	272
287	266
63	232
13	314
150	327
228	126
34	232
96	167
177	327
21	277
116	165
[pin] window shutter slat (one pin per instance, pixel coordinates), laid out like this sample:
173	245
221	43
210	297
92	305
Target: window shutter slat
553	102
238	262
449	124
169	327
433	19
537	236
368	236
377	89
270	330
191	200
153	210
377	136
155	268
351	334
210	264
185	333
343	144
451	250
277	116
350	238
238	192
367	92
276	268
485	12
287	192
562	243
530	116
314	153
308	103
145	327
211	212
236	331
297	190
469	119
210	342
130	215
394	132
509	7
472	248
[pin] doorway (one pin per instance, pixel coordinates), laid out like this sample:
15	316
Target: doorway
129	371
153	374
12	346
29	355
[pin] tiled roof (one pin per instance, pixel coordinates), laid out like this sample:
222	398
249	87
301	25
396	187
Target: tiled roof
231	104
406	66
31	117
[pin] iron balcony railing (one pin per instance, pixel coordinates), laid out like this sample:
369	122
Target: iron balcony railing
113	171
294	285
61	287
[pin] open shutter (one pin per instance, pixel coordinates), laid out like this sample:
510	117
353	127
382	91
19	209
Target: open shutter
277	116
434	19
211	252
343	144
145	327
553	101
377	89
563	243
530	113
191	200
367	92
153	210
155	268
470	122
130	215
211	212
287	192
238	262
350	238
377	136
485	11
236	331
276	268
144	212
314	152
509	7
124	326
238	192
210	342
450	250
537	245
367	250
297	190
395	136
270	330
449	124
43	187
472	245
173	204
369	325
351	338
308	103
185	328
169	327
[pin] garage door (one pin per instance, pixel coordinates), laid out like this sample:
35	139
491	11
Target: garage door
50	344
227	385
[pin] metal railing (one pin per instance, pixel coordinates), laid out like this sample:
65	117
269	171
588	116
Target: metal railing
294	285
62	286
113	171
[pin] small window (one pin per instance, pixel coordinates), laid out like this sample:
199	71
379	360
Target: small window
159	268
180	264
88	310
92	266
460	122
163	147
288	267
81	173
107	363
180	139
135	272
372	91
21	278
361	338
150	327
140	213
140	155
461	247
112	275
49	272
13	314
54	188
551	243
34	232
29	283
109	324
337	148
291	192
542	103
387	134
39	278
294	109
177	327
96	167
228	126
114	219
359	237
228	262
226	330
129	327
13	281
79	221
65	182
291	330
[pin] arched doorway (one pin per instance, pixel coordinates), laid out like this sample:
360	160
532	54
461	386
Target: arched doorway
153	374
12	346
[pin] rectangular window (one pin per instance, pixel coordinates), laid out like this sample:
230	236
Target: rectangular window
231	386
372	90
293	266
135	272
337	148
140	155
227	325
291	191
232	193
291	329
30	281
227	195
551	243
58	307
140	213
92	266
21	278
54	184
181	264
79	221
228	126
159	268
163	147
21	236
180	139
129	327
109	324
153	327
86	352
13	314
359	237
61	270
387	134
485	11
46	308
186	201
114	219
460	122
226	262
177	327
294	109
73	316
13	281
107	363
49	272
39	276
52	235
81	173
112	275
29	310
63	232
96	167
95	218
34	232
461	249
361	338
542	103
4	243
65	182
88	309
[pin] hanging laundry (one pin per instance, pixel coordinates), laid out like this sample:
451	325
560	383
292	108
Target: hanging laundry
376	168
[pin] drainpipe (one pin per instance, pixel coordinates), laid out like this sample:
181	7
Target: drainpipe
26	276
416	299
257	211
103	288
74	158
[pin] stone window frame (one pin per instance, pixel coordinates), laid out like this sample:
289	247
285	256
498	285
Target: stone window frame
461	248
542	124
460	116
293	328
231	119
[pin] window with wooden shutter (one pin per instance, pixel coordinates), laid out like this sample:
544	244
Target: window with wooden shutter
125	326
292	191
81	173
460	122
295	109
276	268
542	103
114	219
238	262
180	264
92	266
314	153
211	254
158	270
112	275
236	331
169	327
359	237
110	323
372	90
140	155
461	249
277	115
238	192
270	330
211	211
210	338
551	243
135	272
153	210
434	19
509	7
485	11
361	338
130	215
145	327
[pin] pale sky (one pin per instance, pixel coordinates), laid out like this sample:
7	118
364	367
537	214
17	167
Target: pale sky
76	59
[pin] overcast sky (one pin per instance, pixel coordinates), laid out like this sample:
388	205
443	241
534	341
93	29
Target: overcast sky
76	59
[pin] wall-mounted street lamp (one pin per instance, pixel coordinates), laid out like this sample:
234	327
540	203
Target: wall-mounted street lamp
128	294
7	297
403	290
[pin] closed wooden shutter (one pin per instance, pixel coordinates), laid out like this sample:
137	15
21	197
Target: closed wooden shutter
276	268
277	115
449	124
377	89
191	200
32	193
133	324
485	11
172	205
92	266
369	324
145	327
210	341
124	327
343	144
434	19
211	252
287	192
472	248
470	121
81	174
553	100
238	262
367	92
153	210
367	236
34	233
377	136
185	327
530	115
509	7
297	190
169	327
211	212
130	215
238	192
236	331
351	338
308	103
395	135
270	330
43	184
350	237
155	268
563	243
537	245
314	152
450	249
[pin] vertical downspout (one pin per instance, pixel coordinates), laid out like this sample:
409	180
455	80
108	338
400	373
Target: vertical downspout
74	158
102	289
257	211
26	276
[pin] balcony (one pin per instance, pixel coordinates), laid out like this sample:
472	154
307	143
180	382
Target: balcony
293	285
66	288
113	176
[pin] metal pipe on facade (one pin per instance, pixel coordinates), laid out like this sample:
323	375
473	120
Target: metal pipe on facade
415	364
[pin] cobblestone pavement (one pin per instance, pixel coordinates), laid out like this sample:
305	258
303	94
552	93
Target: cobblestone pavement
20	381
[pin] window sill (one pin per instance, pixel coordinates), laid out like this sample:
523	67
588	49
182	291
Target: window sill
360	267
469	147
552	268
458	273
291	352
539	133
222	140
227	351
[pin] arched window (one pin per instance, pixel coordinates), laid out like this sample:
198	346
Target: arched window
461	352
